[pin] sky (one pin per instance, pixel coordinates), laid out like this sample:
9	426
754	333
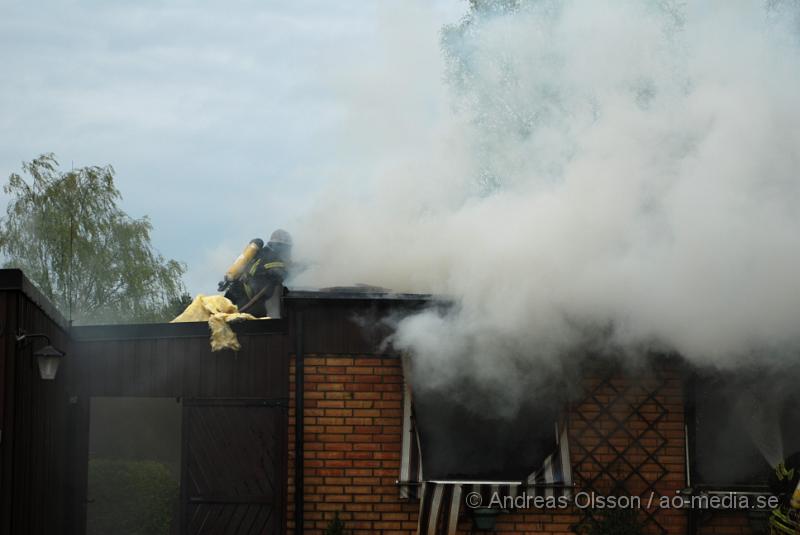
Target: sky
645	155
220	118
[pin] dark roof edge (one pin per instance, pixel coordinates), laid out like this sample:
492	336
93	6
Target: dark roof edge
358	296
15	280
195	329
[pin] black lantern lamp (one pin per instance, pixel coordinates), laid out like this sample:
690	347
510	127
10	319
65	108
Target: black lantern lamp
48	357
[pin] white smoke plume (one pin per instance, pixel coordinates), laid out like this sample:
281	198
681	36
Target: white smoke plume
563	169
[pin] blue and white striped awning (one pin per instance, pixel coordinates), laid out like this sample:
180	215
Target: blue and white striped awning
442	501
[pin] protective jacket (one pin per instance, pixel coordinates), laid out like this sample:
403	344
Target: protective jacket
267	269
785	519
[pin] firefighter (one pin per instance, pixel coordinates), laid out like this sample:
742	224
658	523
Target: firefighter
255	280
784	481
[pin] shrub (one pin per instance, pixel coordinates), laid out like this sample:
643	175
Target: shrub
131	497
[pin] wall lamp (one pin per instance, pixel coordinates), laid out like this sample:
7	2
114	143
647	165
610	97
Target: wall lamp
47	357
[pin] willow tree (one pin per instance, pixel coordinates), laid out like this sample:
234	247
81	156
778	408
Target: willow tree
66	231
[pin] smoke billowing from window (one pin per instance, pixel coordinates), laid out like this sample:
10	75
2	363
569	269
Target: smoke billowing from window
621	174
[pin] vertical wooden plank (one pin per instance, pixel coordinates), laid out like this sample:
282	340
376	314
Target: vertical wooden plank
203	362
342	315
111	359
4	326
219	381
146	367
163	364
259	364
175	365
7	410
190	365
276	369
261	367
27	412
130	379
239	379
138	378
80	465
265	366
82	371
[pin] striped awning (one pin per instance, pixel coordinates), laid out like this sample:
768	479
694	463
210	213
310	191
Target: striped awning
411	459
441	502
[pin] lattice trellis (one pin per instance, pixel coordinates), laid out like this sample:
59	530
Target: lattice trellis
616	441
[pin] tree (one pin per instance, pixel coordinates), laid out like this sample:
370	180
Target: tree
176	305
512	74
92	260
484	84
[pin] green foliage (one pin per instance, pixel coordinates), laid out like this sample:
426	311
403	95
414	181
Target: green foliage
176	306
335	526
131	497
510	69
485	85
92	260
612	522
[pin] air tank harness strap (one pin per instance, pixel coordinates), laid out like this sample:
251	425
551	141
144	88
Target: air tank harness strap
274	265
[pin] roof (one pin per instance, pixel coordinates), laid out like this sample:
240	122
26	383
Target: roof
129	331
15	280
360	292
266	326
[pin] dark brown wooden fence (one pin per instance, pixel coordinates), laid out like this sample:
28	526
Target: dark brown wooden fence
235	404
35	416
234	467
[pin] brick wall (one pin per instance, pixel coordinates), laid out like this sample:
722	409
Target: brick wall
627	438
606	455
352	433
353	428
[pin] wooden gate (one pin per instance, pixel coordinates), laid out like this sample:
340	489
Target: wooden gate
234	467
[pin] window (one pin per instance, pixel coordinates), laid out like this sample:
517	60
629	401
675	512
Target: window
463	439
744	423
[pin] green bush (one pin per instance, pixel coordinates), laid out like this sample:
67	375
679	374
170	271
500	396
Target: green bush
131	497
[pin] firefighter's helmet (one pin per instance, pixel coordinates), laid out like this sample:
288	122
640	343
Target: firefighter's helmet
281	237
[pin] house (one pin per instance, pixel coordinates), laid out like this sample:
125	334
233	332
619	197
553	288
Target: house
234	436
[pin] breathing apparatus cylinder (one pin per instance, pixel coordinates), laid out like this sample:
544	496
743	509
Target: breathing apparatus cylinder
795	501
237	268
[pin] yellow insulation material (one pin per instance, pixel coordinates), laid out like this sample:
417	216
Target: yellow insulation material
218	311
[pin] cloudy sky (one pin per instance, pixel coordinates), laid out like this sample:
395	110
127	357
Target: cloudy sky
218	117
